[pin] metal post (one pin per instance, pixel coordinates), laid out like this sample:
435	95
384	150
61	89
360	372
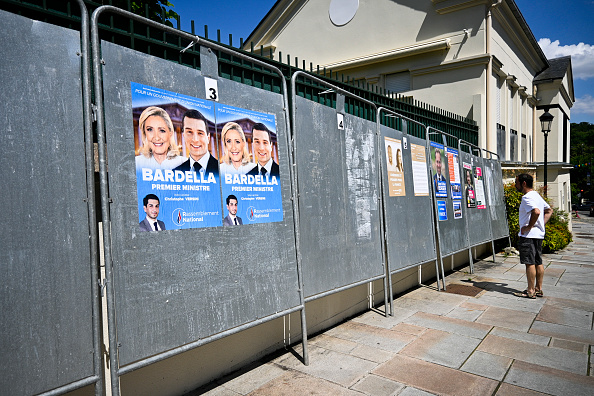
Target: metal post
546	134
90	169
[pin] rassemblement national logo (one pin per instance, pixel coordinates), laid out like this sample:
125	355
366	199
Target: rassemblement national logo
177	217
250	213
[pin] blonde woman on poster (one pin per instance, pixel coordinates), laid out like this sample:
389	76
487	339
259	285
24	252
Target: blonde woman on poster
236	158
159	149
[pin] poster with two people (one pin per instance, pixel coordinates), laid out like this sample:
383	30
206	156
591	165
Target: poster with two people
203	164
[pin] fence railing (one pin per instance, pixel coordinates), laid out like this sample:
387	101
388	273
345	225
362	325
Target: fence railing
149	40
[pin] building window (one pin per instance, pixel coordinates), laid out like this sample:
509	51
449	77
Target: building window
501	142
513	144
524	149
397	82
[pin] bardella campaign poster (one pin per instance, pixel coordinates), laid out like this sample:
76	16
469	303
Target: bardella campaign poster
173	135
249	172
188	177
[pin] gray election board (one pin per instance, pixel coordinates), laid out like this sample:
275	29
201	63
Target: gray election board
452	231
338	193
46	327
496	198
478	218
180	285
410	234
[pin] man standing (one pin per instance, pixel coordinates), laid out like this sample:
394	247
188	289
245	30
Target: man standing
263	149
534	214
232	218
197	138
151	208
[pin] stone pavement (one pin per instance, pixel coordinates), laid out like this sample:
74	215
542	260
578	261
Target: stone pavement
475	339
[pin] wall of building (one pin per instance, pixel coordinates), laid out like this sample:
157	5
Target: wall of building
311	35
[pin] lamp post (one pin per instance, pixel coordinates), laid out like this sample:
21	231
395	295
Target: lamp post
545	121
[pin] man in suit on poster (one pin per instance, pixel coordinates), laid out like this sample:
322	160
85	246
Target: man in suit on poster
232	218
263	148
438	167
151	208
197	138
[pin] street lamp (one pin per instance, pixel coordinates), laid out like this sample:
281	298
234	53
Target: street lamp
545	121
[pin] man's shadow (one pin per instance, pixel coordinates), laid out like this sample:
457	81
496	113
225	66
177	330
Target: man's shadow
499	287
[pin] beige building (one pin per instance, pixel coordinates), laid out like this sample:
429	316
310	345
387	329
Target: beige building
475	58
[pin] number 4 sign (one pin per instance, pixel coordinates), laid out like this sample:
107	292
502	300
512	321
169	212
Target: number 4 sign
340	119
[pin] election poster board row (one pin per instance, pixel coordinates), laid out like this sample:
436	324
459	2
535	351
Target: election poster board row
201	163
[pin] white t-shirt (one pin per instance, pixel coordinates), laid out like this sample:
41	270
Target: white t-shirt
533	200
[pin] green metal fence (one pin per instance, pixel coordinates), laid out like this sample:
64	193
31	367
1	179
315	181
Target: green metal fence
143	38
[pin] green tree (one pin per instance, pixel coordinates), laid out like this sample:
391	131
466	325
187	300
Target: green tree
156	10
581	153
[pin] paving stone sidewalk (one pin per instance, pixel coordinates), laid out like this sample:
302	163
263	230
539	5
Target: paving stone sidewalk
475	339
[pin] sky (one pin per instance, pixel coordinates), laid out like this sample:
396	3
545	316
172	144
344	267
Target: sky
561	27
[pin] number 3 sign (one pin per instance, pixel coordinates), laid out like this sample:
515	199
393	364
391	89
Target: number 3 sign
212	91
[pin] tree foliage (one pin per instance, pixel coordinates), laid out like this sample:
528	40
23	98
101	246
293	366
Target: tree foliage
557	234
156	10
581	153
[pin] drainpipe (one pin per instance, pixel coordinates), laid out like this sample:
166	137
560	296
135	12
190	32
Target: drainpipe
490	134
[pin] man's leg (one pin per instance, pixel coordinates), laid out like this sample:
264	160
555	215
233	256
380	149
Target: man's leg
527	253
531	277
539	275
539	265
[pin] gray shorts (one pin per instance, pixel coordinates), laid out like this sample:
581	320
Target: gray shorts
530	250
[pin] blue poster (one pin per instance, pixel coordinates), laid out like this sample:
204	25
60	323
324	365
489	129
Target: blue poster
177	172
454	172
250	180
457	209
442	211
438	169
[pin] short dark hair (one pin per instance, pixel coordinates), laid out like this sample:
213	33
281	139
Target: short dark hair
261	127
195	114
230	197
525	177
149	196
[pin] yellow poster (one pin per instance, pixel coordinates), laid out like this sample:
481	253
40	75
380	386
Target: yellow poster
395	167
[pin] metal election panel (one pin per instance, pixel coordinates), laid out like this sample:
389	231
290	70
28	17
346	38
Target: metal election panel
409	229
452	231
478	219
177	286
338	192
496	198
46	326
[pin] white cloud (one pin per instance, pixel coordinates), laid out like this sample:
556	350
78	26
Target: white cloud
583	105
582	56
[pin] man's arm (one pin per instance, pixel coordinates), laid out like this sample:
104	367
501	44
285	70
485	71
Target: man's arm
547	214
534	213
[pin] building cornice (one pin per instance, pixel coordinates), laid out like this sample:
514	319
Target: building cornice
415	49
447	6
482	60
512	27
